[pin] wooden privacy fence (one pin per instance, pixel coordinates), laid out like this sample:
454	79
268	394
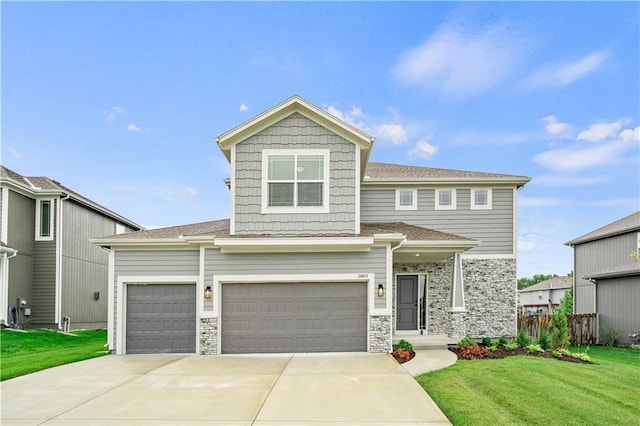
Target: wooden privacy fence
583	328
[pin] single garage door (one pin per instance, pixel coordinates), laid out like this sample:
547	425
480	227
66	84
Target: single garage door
294	317
161	318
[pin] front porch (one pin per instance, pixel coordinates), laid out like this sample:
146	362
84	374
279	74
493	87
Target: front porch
421	341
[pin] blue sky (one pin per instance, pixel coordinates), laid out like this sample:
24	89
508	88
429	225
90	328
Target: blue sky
122	101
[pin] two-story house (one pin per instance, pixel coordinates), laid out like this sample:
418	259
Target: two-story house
50	274
323	251
545	296
607	278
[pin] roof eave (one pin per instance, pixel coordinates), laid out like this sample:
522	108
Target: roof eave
519	182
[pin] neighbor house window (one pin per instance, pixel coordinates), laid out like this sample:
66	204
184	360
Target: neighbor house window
120	229
445	199
481	199
44	220
295	180
406	199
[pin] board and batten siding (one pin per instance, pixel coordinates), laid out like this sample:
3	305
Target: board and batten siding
21	214
494	227
84	266
155	263
618	305
594	256
295	132
374	261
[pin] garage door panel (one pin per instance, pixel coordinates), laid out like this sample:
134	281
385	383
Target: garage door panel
294	317
161	318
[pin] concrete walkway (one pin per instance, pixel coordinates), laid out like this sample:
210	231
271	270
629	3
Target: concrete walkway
260	390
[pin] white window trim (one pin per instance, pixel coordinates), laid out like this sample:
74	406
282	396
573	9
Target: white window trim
39	237
453	205
489	204
266	209
414	199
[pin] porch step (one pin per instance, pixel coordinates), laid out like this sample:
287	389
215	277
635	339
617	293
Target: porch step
425	341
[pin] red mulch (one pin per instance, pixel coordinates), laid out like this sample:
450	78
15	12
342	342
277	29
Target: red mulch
501	352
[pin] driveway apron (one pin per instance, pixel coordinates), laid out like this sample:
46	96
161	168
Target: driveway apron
280	389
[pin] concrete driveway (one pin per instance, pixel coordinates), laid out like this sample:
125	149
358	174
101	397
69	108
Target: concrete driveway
282	389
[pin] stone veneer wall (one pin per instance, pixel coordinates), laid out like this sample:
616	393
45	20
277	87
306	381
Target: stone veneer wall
208	336
489	291
490	295
379	333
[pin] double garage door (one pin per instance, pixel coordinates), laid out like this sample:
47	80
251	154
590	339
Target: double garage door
256	318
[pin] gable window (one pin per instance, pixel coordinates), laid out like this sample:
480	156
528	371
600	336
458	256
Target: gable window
295	181
445	199
406	199
481	199
120	229
44	220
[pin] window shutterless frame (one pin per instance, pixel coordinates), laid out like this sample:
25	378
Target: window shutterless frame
44	219
445	199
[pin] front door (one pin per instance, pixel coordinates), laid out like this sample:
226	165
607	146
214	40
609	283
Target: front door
407	303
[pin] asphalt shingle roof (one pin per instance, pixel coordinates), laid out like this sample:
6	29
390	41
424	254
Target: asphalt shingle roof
626	224
396	171
631	267
552	283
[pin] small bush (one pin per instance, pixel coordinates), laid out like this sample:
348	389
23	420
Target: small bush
403	344
523	339
493	347
486	341
582	355
608	336
545	340
402	353
560	330
558	353
467	341
473	352
502	341
511	346
534	348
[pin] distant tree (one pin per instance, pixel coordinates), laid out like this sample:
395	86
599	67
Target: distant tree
570	274
527	282
566	303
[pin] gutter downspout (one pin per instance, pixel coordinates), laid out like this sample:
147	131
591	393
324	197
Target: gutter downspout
4	279
59	235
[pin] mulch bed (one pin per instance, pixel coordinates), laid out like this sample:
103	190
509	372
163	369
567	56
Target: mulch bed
403	360
501	352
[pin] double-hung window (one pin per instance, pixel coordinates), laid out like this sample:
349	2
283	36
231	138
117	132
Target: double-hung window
445	199
44	220
295	181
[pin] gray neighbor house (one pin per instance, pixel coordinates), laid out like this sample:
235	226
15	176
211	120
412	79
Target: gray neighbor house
323	251
607	279
48	268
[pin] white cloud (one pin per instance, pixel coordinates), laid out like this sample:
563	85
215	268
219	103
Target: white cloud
568	73
554	127
15	154
630	135
392	132
112	115
600	131
454	61
562	180
423	149
353	116
189	192
133	128
243	108
470	137
541	201
616	202
579	157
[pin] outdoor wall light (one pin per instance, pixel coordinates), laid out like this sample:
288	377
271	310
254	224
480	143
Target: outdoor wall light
96	295
380	290
208	293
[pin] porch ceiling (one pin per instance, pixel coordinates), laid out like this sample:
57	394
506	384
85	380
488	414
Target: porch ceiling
430	251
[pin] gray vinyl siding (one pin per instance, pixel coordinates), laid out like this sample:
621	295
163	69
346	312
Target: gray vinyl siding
494	228
618	305
295	132
84	266
594	256
217	263
152	263
44	283
21	215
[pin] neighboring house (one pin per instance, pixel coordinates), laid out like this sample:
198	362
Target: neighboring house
545	296
324	251
607	278
48	266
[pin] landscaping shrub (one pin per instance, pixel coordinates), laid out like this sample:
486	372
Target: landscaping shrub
403	354
502	341
534	348
486	341
523	339
467	341
608	336
473	352
511	346
403	344
560	330
544	340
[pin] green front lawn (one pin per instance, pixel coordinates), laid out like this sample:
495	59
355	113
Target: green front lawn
530	390
35	350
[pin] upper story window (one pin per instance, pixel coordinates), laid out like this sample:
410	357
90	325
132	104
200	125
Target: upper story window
120	229
445	199
406	199
481	199
44	220
295	181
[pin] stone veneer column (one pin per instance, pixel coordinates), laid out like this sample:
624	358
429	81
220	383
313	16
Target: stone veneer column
208	336
458	324
379	333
